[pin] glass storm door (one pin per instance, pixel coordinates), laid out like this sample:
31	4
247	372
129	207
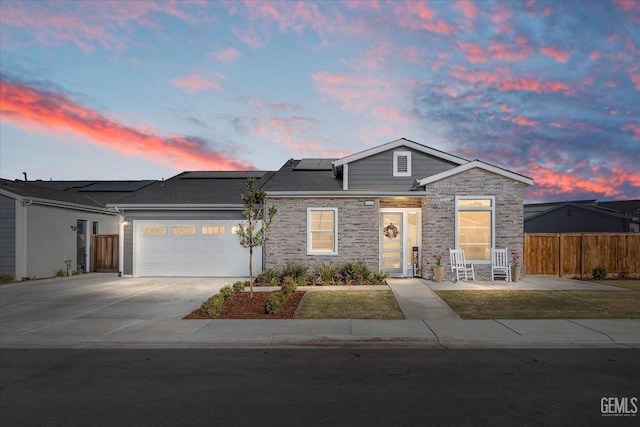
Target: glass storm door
391	243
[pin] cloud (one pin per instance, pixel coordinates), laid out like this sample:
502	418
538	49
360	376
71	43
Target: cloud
555	53
468	8
35	109
227	56
196	82
354	92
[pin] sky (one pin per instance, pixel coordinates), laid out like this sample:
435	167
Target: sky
115	90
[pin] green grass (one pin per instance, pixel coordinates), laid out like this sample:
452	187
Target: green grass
379	304
515	304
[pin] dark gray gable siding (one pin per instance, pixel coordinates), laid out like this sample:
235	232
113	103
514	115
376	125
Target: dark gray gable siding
376	172
7	235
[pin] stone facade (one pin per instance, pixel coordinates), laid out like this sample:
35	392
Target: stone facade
358	232
439	216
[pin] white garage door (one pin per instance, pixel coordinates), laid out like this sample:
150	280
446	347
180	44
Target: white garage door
191	248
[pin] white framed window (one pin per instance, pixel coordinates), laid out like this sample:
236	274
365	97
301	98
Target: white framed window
235	229
402	163
322	231
475	227
213	229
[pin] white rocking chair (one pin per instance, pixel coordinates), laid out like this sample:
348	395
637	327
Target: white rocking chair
500	265
460	266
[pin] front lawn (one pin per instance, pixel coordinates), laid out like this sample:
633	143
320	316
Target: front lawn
349	305
516	304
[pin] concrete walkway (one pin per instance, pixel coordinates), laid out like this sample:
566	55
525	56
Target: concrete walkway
105	311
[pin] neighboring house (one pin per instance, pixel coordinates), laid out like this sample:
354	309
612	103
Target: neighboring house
582	217
376	206
44	223
187	225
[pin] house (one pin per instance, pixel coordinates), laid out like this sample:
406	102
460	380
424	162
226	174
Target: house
45	223
393	206
582	217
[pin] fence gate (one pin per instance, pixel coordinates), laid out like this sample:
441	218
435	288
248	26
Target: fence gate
104	253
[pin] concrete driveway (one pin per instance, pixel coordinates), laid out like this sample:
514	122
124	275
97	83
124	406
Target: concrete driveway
116	300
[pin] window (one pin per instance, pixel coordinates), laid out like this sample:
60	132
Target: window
322	228
402	163
95	227
155	230
213	229
475	227
235	230
183	230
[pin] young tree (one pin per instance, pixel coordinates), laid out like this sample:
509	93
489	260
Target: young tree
253	234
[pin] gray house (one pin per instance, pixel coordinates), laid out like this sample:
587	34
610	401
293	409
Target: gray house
394	207
42	224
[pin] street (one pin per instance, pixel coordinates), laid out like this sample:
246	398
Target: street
336	387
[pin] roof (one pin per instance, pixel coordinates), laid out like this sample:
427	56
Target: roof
300	175
28	191
627	207
402	142
472	165
204	188
582	207
102	192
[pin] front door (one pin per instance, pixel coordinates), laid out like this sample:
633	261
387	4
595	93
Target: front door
392	243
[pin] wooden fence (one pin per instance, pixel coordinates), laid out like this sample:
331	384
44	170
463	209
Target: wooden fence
575	255
104	253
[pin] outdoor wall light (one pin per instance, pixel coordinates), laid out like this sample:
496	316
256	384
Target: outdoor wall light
74	227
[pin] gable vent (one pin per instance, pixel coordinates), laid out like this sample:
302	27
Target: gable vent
402	163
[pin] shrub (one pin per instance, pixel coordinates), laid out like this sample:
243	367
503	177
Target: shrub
379	277
7	277
599	272
226	291
60	273
76	272
326	272
271	275
298	271
274	303
289	286
351	269
623	275
239	286
213	305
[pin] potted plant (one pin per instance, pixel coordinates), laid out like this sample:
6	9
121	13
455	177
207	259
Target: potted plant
515	266
438	270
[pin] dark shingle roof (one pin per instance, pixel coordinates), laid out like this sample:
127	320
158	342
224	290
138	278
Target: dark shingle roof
291	178
101	192
30	190
199	187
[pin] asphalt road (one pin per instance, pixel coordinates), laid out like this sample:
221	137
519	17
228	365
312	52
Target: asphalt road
316	387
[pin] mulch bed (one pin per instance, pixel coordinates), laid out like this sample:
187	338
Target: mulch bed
241	306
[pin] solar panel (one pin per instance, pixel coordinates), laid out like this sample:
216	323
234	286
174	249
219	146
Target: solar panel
223	175
315	165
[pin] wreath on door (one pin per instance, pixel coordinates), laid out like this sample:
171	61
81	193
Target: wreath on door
390	231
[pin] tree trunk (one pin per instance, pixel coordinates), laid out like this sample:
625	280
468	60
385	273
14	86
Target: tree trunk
251	272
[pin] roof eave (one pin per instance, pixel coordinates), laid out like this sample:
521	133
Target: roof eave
475	164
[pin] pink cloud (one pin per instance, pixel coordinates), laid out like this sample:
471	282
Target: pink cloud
507	52
474	52
196	82
227	56
418	16
354	92
532	85
468	8
33	110
627	5
555	53
523	121
633	128
635	79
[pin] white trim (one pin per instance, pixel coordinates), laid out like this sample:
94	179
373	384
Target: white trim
399	143
346	194
475	164
335	231
345	177
21	240
396	155
491	209
174	206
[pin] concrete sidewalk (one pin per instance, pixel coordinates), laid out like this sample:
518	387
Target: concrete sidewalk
102	311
